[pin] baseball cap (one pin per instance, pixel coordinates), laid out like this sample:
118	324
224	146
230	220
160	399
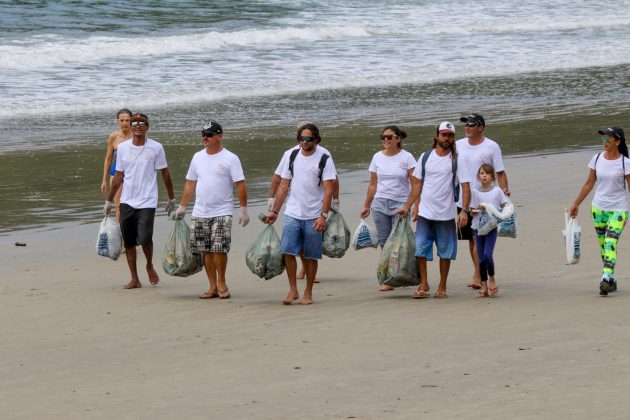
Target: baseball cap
616	132
212	127
445	127
478	118
140	117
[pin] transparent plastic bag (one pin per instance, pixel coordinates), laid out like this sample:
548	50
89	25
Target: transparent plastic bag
109	239
263	257
508	227
397	265
336	240
365	236
178	257
572	234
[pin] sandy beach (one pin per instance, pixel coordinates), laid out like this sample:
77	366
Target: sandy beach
77	345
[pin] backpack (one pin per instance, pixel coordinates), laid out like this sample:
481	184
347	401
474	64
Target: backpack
322	164
623	165
455	182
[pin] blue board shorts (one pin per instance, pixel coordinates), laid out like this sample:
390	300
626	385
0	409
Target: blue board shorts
442	232
300	235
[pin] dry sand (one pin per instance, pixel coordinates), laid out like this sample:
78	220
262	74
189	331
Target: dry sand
77	345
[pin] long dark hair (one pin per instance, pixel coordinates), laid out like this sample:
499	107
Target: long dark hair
123	111
623	147
313	129
400	133
452	148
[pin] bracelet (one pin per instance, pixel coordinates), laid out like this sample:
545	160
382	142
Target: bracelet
274	211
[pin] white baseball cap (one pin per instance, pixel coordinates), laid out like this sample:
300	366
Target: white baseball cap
445	127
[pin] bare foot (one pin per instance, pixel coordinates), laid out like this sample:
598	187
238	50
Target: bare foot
154	279
133	285
385	288
290	298
306	300
316	280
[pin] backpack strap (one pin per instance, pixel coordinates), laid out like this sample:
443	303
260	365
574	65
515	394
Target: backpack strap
425	157
292	159
322	165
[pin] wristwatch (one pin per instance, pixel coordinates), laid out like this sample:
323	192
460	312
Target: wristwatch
467	210
325	214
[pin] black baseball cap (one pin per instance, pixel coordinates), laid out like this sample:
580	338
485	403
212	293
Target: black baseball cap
478	118
211	127
616	132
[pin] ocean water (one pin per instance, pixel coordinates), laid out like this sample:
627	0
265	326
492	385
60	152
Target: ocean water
545	74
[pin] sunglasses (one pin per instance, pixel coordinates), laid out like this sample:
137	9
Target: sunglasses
138	124
303	138
472	124
208	134
389	136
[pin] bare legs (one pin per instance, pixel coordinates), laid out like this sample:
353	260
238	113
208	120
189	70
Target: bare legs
131	255
116	198
310	268
215	264
302	273
445	266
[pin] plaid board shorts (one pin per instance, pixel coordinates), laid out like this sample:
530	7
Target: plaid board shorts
211	234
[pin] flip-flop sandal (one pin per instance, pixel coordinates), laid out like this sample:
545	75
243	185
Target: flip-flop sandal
209	295
222	294
474	286
421	294
440	295
482	294
493	291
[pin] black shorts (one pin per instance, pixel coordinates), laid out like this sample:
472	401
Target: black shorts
465	233
136	225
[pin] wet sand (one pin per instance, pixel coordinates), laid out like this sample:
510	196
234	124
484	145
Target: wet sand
77	345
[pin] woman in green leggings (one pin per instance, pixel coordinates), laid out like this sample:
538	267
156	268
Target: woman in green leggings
609	173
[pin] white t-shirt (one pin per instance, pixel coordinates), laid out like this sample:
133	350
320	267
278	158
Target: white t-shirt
610	190
472	157
436	200
140	165
287	155
215	176
392	174
306	199
495	197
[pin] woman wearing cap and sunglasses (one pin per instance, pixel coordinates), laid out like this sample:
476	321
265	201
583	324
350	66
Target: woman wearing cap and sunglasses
390	184
609	173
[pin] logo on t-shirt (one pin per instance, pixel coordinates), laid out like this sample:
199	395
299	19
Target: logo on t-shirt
220	166
401	164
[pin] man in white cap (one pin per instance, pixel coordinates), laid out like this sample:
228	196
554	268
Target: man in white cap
277	177
436	181
213	174
474	150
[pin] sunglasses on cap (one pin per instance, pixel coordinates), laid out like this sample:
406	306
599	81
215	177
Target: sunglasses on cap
304	138
389	136
138	124
472	124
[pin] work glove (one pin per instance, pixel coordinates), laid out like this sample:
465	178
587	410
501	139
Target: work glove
107	208
334	206
181	211
244	219
170	206
270	203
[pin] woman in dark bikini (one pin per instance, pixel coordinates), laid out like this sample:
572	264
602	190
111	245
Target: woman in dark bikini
123	117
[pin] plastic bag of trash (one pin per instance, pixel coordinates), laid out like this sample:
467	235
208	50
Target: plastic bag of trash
109	239
263	257
336	240
397	265
508	228
491	217
365	236
178	257
572	234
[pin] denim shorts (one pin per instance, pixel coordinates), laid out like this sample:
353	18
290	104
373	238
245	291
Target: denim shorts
300	235
442	232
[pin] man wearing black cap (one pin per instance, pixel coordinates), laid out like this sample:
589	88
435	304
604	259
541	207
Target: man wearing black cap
473	151
212	176
137	163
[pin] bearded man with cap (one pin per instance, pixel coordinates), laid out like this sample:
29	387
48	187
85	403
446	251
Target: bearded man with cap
435	182
137	162
213	174
475	150
277	178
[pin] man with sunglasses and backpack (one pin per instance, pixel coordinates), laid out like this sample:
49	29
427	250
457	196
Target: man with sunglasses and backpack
475	150
310	173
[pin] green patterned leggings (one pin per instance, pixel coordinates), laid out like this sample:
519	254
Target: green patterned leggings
608	227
